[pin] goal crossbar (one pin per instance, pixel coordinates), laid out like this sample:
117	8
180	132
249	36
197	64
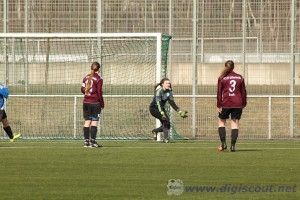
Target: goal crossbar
43	69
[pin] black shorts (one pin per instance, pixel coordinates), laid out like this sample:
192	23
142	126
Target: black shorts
235	113
91	111
155	113
2	115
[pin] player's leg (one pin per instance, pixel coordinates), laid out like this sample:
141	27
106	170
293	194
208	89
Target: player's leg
235	117
87	112
222	134
86	132
234	133
166	127
7	127
94	130
96	110
223	116
155	113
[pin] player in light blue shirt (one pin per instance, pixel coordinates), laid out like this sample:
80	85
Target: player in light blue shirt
4	92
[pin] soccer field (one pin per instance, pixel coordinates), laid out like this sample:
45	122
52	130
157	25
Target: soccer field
265	169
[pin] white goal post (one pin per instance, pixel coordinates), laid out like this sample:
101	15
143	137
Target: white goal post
43	70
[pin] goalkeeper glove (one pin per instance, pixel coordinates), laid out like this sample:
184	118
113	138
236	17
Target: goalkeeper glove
163	115
183	113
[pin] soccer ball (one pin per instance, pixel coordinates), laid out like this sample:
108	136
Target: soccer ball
220	148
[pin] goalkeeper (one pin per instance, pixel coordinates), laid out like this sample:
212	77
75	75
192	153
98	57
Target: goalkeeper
163	94
4	92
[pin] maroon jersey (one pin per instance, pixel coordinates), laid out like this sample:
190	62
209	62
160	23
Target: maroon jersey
95	93
231	91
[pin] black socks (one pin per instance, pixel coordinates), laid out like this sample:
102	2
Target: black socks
86	132
93	132
9	132
234	136
222	134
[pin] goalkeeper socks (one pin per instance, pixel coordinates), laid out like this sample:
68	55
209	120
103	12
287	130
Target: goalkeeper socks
165	131
86	132
222	134
234	136
9	132
93	132
166	135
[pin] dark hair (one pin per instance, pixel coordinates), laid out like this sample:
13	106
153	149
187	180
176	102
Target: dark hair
229	66
161	82
94	68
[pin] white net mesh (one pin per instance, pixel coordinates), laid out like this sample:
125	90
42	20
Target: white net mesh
44	74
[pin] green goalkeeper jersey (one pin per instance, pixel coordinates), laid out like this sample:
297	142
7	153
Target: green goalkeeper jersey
161	97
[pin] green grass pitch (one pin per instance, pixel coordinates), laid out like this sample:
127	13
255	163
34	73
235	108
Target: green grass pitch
265	169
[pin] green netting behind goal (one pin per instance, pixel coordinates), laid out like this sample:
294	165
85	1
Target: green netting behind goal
44	74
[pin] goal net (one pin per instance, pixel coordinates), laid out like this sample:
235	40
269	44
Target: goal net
44	73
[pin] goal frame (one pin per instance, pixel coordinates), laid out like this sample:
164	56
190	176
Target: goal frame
93	35
158	70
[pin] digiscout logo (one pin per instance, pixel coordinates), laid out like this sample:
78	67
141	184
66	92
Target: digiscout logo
175	187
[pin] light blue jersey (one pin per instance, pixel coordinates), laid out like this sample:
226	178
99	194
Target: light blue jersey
4	92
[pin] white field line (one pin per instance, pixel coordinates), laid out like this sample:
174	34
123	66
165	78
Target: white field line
141	147
148	143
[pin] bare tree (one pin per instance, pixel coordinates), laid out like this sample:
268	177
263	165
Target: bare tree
273	21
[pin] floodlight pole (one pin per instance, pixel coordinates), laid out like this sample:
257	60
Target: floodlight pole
292	67
244	38
99	16
195	67
26	65
5	40
169	69
159	75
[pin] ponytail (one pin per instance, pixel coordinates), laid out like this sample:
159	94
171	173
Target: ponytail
229	66
94	68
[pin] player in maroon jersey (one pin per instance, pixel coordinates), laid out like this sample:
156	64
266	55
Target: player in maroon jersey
93	103
231	99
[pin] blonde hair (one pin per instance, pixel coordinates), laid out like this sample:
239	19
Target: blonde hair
94	68
229	66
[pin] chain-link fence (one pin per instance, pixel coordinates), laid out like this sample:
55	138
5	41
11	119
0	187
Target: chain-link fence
262	37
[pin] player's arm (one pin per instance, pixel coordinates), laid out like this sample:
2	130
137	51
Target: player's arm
219	94
172	103
100	93
243	94
158	99
83	86
4	91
